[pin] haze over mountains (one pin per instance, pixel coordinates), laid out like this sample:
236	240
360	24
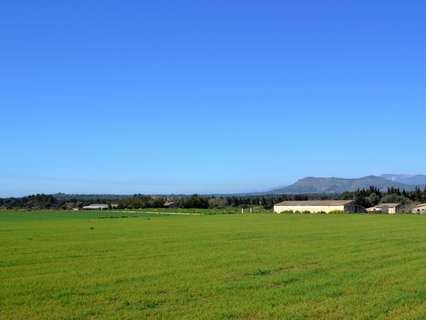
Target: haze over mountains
406	178
339	185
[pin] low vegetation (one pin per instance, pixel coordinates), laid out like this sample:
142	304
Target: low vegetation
364	197
143	265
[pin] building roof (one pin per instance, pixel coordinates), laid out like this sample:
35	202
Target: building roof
421	205
387	205
373	209
315	203
95	206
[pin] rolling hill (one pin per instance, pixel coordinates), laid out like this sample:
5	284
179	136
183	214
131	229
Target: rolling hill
339	185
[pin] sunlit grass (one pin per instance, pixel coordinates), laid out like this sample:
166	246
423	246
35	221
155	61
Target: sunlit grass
56	265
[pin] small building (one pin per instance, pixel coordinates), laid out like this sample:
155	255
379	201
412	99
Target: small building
317	206
96	206
421	208
390	208
170	205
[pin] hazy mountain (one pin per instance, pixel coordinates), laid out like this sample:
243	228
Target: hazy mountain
339	185
413	180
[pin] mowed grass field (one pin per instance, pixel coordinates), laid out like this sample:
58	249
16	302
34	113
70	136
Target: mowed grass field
56	265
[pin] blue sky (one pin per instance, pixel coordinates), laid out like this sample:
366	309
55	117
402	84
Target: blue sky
208	96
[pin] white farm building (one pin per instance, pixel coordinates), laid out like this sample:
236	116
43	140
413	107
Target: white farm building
390	208
96	206
421	208
317	206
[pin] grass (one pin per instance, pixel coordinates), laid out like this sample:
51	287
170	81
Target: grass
231	210
56	265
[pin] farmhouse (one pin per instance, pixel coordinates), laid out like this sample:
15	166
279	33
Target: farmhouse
96	206
390	208
317	206
170	204
421	208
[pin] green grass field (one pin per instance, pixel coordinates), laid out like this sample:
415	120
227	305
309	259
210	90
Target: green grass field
57	265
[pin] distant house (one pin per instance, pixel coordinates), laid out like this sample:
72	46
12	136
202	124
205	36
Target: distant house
96	206
421	208
390	208
170	204
317	206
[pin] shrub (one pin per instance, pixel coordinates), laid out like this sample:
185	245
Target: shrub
336	212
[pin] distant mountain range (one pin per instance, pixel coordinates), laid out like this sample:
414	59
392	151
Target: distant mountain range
412	180
339	185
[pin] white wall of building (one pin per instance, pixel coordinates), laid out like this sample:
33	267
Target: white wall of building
312	209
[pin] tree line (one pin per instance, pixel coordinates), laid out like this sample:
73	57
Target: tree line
364	197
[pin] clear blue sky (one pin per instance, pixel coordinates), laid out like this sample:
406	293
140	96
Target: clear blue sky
208	96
